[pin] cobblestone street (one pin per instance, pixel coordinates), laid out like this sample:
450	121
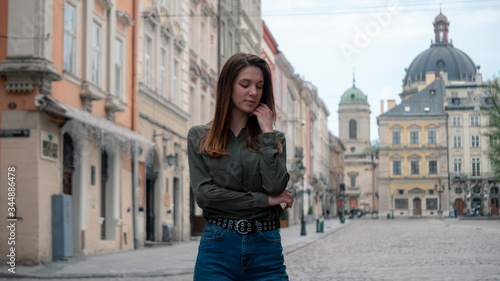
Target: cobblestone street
417	249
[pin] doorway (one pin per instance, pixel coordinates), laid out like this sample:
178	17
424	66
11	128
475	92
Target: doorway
417	207
459	205
150	204
494	206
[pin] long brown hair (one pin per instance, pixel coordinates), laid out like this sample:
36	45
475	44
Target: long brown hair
214	141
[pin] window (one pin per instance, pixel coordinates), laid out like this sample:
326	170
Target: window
457	166
69	49
353	181
148	56
396	138
475	141
415	167
163	72
401	203
407	109
96	53
175	82
432	137
352	129
433	169
474	120
431	203
457	141
396	167
118	68
456	121
476	167
414	137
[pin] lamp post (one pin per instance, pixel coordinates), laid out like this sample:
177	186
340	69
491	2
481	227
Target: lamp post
439	188
302	171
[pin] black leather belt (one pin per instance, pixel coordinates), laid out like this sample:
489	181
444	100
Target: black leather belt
245	226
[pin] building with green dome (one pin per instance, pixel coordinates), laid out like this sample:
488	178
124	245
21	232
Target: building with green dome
354	132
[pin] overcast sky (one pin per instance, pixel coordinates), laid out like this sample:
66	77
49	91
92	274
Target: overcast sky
325	40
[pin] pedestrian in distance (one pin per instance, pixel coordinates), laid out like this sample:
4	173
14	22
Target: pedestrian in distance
237	167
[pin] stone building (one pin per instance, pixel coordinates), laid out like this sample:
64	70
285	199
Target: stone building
354	132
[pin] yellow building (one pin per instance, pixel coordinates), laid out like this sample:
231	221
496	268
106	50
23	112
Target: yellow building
413	176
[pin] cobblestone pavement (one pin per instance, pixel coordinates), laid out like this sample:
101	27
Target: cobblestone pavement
416	249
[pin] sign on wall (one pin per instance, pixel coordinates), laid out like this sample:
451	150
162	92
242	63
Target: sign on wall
50	146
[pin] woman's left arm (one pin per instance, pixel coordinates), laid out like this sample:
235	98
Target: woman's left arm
273	164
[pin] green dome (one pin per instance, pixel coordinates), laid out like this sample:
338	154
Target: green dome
353	95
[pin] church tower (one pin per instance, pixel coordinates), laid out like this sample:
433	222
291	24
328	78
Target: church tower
354	132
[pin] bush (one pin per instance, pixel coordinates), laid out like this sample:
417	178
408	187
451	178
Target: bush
310	212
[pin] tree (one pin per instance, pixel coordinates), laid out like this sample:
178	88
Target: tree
493	134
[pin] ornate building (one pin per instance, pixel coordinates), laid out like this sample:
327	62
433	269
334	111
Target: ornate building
463	181
354	133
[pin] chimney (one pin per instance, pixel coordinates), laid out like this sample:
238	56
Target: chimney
391	104
381	107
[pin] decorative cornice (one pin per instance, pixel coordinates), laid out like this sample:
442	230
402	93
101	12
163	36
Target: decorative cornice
194	71
167	30
106	4
152	15
180	43
88	93
205	8
125	17
112	105
22	74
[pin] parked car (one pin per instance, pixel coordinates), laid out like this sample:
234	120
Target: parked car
356	212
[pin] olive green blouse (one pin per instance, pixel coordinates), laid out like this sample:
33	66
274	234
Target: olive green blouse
236	186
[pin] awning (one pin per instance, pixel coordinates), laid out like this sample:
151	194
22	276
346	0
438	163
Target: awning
57	107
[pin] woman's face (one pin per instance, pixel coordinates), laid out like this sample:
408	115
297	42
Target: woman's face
247	90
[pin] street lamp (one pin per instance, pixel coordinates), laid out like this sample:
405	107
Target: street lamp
440	189
302	171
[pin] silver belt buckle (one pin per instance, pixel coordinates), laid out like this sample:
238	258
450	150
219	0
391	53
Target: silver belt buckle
242	229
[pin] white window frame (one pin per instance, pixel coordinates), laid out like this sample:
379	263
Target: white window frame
120	90
474	120
411	167
148	60
429	167
97	71
175	81
400	168
74	56
476	166
457	166
474	141
399	137
163	72
456	121
418	138
429	137
457	141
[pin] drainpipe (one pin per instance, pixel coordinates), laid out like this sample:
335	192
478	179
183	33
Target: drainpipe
135	164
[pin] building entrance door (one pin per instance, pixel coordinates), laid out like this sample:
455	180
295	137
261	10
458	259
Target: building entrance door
494	206
417	207
459	205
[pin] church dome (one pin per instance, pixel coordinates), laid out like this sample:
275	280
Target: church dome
441	56
353	95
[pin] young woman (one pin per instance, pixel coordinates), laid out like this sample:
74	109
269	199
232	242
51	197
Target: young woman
237	166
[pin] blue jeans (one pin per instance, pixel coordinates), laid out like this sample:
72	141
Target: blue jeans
228	255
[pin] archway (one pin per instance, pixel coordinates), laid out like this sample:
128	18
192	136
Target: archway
417	207
151	177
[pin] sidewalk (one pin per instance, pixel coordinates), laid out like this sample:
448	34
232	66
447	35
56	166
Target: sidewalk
177	259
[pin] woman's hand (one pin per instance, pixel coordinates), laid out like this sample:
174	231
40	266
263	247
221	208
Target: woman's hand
264	117
285	197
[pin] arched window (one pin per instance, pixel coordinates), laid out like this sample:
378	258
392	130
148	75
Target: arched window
352	129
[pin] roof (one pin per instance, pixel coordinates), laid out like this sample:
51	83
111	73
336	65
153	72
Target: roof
428	102
353	95
456	63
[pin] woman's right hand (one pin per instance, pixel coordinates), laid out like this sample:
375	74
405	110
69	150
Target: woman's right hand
285	197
